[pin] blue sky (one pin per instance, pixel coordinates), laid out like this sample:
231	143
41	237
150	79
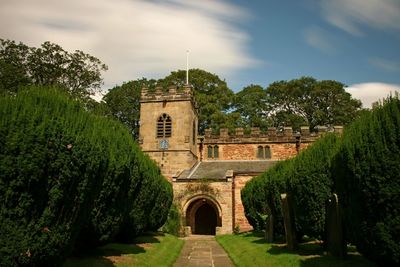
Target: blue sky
296	38
355	42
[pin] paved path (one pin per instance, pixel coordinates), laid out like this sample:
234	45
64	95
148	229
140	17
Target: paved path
202	251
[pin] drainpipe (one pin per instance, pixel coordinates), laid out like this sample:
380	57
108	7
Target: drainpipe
230	178
201	148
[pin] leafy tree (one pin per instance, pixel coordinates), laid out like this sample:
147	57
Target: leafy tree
251	104
123	103
312	102
212	94
78	73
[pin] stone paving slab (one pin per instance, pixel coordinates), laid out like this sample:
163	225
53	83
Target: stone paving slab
202	251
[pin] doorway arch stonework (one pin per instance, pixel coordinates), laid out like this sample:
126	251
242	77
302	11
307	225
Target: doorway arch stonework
203	215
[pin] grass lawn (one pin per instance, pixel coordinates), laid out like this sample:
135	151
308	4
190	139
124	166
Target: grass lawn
151	250
250	249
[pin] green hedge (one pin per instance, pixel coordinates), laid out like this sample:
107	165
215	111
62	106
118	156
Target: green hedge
367	177
64	174
363	167
306	177
261	195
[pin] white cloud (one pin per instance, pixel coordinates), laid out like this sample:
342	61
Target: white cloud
349	15
384	64
318	38
369	93
135	38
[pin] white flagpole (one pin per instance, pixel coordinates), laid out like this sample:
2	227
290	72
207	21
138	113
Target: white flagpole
187	67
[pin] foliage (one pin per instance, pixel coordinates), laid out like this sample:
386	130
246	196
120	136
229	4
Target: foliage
251	104
306	101
78	73
306	178
64	172
367	179
250	250
173	223
261	198
362	168
123	102
212	95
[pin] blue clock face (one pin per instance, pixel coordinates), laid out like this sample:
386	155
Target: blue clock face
164	144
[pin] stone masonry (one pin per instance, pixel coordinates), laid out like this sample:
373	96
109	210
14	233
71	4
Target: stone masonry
208	172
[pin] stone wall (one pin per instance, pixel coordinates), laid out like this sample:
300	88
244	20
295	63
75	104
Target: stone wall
283	143
173	162
179	105
220	192
240	219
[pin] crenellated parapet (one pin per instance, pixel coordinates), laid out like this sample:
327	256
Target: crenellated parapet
273	134
172	93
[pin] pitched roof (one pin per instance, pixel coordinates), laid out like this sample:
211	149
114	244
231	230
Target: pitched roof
217	169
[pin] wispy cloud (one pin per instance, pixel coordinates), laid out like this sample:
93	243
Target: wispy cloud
384	64
319	39
369	93
351	15
135	38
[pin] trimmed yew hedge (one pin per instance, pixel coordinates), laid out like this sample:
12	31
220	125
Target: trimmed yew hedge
367	178
306	178
67	174
362	166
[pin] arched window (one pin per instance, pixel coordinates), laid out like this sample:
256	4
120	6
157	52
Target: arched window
164	126
267	152
209	152
216	152
260	152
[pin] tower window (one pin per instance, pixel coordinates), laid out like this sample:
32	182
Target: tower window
164	126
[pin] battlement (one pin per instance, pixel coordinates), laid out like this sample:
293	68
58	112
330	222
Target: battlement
172	93
273	134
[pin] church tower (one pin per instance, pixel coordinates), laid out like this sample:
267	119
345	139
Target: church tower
168	128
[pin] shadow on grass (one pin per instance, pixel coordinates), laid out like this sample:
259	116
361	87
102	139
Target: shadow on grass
353	260
313	255
108	255
305	249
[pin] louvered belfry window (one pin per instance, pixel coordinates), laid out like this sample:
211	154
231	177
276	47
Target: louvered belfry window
164	126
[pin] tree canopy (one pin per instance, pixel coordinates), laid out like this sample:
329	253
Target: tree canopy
295	103
251	104
213	96
78	73
306	101
123	103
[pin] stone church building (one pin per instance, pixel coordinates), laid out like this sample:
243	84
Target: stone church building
207	172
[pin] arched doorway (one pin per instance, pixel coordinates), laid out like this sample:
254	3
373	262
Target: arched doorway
205	220
203	216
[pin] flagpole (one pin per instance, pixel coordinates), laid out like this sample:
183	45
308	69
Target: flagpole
187	67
